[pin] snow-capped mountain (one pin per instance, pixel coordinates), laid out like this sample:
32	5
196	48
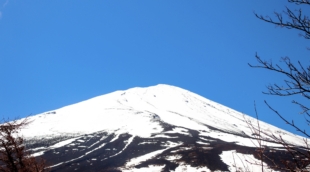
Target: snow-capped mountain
158	128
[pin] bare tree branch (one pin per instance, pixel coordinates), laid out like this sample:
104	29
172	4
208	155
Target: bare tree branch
298	2
295	19
287	122
298	82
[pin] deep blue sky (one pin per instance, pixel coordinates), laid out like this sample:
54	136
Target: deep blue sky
56	53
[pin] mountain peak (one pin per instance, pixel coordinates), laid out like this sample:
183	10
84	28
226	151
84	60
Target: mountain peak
122	110
160	120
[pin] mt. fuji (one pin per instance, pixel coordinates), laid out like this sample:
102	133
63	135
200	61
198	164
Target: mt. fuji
158	128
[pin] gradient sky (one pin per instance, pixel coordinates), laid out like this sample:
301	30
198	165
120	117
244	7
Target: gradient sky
56	53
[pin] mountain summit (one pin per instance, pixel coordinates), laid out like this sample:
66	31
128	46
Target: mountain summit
157	128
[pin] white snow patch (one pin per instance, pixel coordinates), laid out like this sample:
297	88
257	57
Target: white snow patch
203	143
189	168
179	130
95	149
237	162
150	168
63	143
138	160
209	140
163	136
38	148
237	139
173	157
97	142
115	138
142	143
38	153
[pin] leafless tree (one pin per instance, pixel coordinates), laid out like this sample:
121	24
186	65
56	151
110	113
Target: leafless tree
13	155
297	82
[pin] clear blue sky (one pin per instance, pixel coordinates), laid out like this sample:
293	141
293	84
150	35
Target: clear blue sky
56	53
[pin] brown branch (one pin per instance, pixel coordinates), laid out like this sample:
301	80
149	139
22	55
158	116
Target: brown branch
287	122
299	83
295	20
298	2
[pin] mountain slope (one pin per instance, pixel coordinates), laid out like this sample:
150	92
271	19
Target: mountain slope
164	128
